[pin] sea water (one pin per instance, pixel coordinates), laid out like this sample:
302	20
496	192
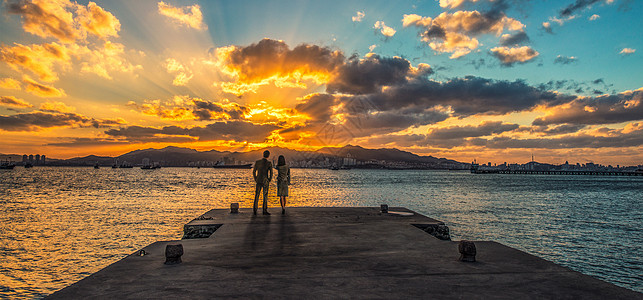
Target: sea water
61	224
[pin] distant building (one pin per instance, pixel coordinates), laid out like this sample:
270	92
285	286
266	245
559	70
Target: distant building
25	158
42	159
31	158
37	159
349	160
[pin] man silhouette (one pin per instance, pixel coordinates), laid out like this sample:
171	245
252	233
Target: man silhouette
262	172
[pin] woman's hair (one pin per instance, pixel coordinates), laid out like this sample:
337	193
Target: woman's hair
281	160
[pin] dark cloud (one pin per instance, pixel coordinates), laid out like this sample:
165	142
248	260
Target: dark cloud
368	75
14	102
573	86
577	5
561	129
34	121
466	96
558	84
204	110
393	121
619	139
233	130
514	39
607	109
41	89
420	101
183	107
477	63
564	60
318	107
614	138
359	118
459	132
73	142
435	31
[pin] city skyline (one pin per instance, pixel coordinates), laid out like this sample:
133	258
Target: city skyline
460	79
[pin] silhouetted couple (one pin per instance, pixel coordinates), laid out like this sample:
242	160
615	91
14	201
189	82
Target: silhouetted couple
262	172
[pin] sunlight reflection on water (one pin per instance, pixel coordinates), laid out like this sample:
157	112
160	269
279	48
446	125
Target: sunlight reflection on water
59	225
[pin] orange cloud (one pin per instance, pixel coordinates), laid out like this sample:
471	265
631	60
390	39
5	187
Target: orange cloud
176	112
455	32
70	23
94	19
358	17
627	51
475	23
454	3
182	108
190	16
183	74
273	62
264	113
508	55
10	84
42	90
65	20
101	60
46	18
456	43
605	109
39	59
54	106
38	120
14	102
385	30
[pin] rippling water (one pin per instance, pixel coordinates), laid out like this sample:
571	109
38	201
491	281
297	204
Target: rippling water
58	225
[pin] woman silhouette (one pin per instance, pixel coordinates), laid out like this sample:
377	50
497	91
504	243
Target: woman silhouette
283	180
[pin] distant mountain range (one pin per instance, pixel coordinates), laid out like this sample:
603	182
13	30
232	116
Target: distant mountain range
324	157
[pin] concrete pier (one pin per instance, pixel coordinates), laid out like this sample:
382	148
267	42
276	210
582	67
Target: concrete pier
334	253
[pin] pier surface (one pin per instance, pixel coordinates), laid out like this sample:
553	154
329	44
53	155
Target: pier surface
334	253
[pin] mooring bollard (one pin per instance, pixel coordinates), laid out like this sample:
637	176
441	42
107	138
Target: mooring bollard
234	208
467	251
173	253
384	208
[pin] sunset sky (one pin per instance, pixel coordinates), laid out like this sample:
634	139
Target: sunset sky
461	79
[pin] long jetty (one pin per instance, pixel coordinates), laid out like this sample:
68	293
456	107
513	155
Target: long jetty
332	253
558	172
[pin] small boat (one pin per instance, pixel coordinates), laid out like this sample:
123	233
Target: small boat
153	166
7	165
335	168
28	165
224	166
96	166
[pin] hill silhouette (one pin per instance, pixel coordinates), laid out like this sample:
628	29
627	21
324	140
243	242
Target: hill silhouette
178	156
